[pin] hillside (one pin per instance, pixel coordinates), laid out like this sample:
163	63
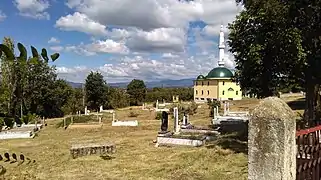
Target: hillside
151	84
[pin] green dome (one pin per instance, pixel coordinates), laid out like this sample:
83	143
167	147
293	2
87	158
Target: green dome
220	72
200	77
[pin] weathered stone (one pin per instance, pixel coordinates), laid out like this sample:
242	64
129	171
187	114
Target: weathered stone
272	149
78	150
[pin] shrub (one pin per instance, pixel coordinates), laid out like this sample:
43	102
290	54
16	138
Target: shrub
29	118
184	108
9	121
158	116
212	104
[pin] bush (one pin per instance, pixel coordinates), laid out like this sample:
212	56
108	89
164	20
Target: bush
189	109
212	104
29	118
9	122
158	116
1	123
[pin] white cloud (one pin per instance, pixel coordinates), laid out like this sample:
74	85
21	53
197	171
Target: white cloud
152	14
158	40
214	30
98	46
33	8
80	22
144	68
169	55
2	16
57	48
53	40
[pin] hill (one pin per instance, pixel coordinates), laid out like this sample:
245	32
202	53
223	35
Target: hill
151	84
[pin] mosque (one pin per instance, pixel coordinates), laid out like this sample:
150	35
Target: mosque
218	84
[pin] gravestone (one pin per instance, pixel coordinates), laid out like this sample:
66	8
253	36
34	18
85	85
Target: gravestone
271	141
164	125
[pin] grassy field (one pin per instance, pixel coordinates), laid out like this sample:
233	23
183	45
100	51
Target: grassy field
136	156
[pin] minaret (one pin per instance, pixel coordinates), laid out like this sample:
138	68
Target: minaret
221	48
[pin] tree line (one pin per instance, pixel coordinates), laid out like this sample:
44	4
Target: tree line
30	87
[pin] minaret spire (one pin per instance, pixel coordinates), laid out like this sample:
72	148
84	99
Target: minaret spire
221	48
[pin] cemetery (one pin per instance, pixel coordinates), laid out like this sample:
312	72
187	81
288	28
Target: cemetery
133	145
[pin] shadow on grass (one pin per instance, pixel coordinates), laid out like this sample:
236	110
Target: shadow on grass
107	157
297	104
235	142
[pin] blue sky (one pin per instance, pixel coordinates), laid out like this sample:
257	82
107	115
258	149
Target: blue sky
123	39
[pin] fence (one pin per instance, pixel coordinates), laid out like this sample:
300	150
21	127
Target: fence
308	141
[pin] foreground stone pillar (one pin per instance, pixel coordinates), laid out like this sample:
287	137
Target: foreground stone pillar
271	141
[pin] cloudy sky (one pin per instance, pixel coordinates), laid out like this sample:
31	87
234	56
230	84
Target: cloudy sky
123	39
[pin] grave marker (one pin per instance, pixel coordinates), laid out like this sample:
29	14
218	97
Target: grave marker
164	125
176	125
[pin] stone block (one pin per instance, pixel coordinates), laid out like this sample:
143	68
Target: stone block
125	123
271	141
179	141
78	150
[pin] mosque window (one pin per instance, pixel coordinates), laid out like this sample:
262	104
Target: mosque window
237	92
223	92
202	92
208	92
196	92
223	83
202	83
230	89
208	83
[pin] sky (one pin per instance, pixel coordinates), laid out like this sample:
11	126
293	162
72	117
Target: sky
122	39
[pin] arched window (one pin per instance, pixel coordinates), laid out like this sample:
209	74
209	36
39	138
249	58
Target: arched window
230	89
202	83
223	93
223	83
208	92
202	92
196	92
237	92
208	83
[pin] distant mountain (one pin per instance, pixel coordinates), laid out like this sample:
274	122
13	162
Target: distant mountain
151	84
74	84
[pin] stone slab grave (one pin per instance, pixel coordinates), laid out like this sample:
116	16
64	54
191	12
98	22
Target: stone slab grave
187	127
168	138
93	125
21	131
232	118
84	149
157	109
116	122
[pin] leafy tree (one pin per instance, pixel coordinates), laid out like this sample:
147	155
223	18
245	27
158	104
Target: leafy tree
15	76
294	47
118	98
96	90
75	102
265	49
137	91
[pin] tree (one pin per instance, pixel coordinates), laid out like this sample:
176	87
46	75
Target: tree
15	74
96	90
265	49
137	91
293	40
